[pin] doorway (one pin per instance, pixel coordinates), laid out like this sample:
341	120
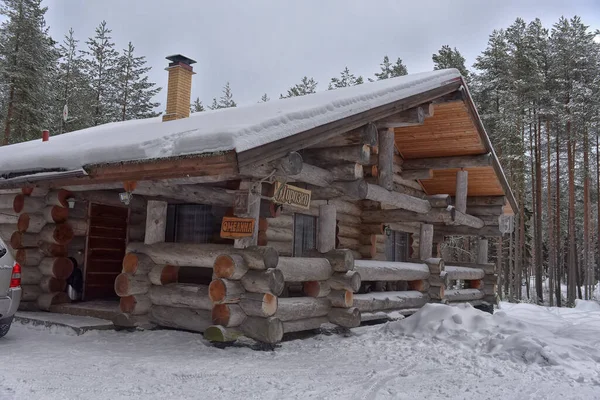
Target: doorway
106	243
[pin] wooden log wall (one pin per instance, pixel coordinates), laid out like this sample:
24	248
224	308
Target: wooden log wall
35	224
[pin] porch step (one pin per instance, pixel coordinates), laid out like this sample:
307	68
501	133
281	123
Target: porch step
102	309
79	324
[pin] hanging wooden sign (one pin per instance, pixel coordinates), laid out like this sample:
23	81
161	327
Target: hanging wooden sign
235	228
291	195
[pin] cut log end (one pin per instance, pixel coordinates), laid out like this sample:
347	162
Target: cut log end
19	203
130	263
418	285
221	334
217	291
63	233
23	222
16	240
229	266
127	304
58	214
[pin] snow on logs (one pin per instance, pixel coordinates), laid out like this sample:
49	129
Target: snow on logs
464	273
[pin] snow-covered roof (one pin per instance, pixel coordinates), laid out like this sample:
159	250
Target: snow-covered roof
239	129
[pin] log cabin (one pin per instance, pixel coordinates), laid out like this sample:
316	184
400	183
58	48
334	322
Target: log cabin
261	220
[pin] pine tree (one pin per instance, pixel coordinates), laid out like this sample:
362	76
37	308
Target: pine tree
389	70
447	57
197	106
135	91
74	92
214	105
264	98
226	101
345	79
28	66
306	86
101	69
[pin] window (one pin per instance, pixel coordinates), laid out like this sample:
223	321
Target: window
305	233
192	223
397	246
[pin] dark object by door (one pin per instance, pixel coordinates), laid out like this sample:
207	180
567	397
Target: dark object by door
106	242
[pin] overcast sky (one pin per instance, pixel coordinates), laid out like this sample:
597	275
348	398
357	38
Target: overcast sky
268	45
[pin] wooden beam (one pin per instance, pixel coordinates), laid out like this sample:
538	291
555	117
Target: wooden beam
156	222
462	182
456	230
326	228
367	134
447	216
254	194
399	200
486	201
291	164
484	160
417	174
386	159
411	117
482	251
485	210
189	193
425	241
360	154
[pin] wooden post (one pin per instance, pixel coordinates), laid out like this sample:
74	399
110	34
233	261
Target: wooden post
326	228
426	241
482	251
253	211
462	178
386	158
156	222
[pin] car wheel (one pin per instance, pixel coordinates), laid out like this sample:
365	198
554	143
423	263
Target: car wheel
5	326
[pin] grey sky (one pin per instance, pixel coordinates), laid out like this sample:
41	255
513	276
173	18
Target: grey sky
268	45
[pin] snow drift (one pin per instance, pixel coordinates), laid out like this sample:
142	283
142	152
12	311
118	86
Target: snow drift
497	335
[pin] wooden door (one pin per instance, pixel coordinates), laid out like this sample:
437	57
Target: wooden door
106	242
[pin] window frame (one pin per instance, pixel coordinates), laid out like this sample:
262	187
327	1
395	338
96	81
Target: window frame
314	238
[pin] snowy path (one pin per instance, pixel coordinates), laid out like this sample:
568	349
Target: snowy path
529	353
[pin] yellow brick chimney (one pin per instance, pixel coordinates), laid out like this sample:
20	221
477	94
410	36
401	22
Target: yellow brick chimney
179	89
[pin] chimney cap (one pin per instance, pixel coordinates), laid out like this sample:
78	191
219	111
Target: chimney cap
180	59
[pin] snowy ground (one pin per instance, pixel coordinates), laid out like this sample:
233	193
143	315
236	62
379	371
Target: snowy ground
522	352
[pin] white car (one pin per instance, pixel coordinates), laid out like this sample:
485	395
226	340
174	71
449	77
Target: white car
10	288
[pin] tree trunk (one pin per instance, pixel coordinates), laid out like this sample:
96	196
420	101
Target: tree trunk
181	318
259	304
181	295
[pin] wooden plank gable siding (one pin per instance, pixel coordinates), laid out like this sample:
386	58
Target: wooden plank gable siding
450	132
482	182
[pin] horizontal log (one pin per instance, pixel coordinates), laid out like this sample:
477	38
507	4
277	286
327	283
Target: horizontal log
350	281
30	292
341	298
460	295
268	281
50	284
8	216
30	275
376	301
181	318
227	315
485	210
163	274
135	304
283	221
340	260
57	267
280	234
437	292
348	231
56	233
221	334
79	226
225	291
316	288
302	269
197	194
29	257
363	135
284	249
345	317
448	230
47	300
486	201
128	285
411	117
52	250
181	295
265	330
295	308
400	200
7	201
484	160
59	198
489	268
390	271
259	304
356	154
307	324
137	264
439	200
26	204
463	273
418	174
204	255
